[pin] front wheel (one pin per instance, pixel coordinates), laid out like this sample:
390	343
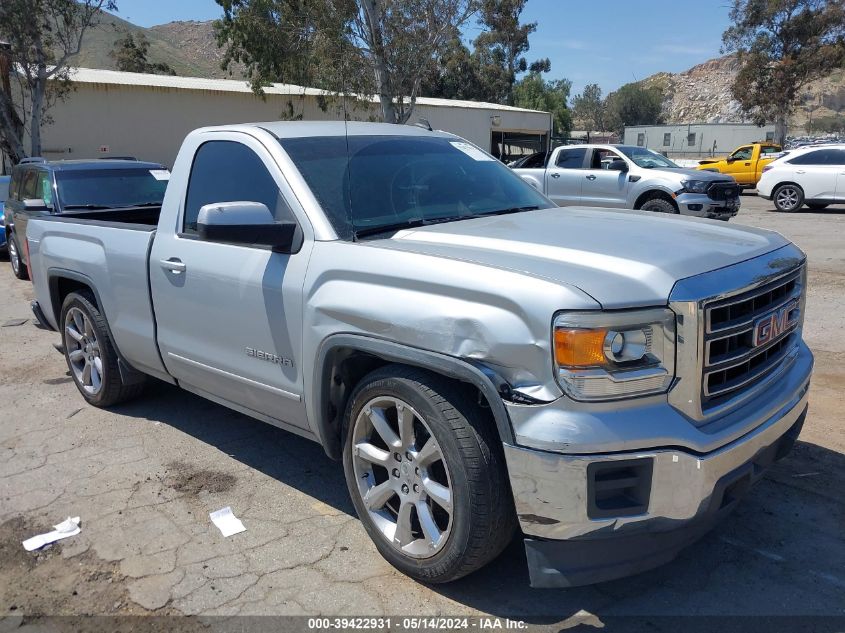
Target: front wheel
18	267
659	205
90	355
426	474
788	198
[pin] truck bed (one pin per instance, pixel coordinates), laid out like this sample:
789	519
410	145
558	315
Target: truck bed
107	250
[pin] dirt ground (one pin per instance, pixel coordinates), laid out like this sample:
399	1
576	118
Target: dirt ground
145	475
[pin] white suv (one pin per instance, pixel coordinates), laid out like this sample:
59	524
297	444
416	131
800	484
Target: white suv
814	176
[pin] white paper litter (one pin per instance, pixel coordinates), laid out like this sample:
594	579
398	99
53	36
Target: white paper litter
227	522
68	527
160	174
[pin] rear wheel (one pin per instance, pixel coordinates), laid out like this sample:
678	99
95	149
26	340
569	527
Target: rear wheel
659	205
815	206
788	198
18	267
425	471
90	355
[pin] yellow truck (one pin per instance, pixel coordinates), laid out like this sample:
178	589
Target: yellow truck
745	163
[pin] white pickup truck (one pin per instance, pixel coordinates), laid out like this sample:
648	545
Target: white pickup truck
608	381
630	177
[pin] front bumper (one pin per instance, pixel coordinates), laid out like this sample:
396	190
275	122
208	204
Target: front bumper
703	206
592	518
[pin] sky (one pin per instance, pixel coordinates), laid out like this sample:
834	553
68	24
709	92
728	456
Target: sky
608	42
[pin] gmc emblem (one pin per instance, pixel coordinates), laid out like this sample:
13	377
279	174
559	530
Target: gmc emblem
771	326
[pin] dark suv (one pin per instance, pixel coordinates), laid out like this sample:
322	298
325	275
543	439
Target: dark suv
39	187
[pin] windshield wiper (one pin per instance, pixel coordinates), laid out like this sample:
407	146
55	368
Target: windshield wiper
144	204
503	211
92	207
399	226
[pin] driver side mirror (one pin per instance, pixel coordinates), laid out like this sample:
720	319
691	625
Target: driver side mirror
731	159
36	204
617	164
247	223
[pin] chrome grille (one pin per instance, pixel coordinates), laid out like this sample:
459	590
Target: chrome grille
733	360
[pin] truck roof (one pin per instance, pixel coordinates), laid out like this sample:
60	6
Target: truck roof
298	129
94	163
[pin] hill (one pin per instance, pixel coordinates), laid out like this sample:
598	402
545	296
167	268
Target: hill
702	94
188	47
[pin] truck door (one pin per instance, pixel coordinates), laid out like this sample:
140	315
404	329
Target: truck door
603	187
742	165
564	176
229	317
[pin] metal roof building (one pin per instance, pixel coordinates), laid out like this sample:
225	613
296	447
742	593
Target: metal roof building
112	113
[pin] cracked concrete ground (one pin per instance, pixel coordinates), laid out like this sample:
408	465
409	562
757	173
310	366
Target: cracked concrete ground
145	475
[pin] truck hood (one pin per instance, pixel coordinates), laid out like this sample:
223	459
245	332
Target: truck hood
620	258
692	174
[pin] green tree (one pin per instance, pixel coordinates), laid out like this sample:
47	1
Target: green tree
589	107
534	92
501	47
380	47
130	55
455	73
42	38
782	45
633	104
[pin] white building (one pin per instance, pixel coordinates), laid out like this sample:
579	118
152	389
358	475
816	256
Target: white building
694	140
113	113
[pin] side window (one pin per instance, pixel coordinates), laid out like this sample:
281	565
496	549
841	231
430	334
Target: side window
535	161
571	158
640	139
691	139
602	158
818	157
227	171
743	153
667	139
838	157
29	186
770	149
44	190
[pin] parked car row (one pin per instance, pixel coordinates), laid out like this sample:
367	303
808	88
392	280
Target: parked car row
58	188
630	177
611	383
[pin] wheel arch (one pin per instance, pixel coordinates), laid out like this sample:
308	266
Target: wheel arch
650	194
63	282
344	359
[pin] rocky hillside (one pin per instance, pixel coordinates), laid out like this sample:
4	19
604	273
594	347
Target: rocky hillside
703	94
188	47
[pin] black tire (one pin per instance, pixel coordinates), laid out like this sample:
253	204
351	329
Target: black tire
659	205
816	206
788	198
112	390
483	518
16	259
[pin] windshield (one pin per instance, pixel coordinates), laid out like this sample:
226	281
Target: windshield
392	181
647	158
107	188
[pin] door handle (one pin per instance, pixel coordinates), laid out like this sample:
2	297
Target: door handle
591	177
555	175
174	265
748	164
800	171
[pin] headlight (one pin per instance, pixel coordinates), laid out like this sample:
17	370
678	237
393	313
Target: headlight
609	355
695	186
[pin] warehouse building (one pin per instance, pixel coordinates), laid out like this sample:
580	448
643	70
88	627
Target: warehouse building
696	140
113	113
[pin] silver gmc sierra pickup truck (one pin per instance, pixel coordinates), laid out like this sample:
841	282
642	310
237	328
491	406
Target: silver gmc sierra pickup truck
610	382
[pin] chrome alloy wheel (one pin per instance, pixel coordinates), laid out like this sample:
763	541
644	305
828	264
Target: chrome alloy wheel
83	350
787	198
402	477
14	258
